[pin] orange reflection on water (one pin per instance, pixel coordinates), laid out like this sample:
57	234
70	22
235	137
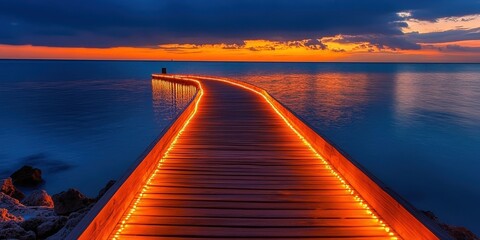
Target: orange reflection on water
334	97
175	95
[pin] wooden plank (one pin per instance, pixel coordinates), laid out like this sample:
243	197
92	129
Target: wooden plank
241	185
239	159
251	197
197	165
165	180
309	170
238	174
248	205
137	237
248	177
227	232
245	172
229	190
203	163
251	213
227	178
246	222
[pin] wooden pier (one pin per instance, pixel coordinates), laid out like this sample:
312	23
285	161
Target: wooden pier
236	163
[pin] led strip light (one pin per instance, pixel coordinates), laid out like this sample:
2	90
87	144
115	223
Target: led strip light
160	163
345	184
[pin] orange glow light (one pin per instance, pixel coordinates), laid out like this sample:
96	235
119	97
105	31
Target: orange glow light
345	184
363	204
160	163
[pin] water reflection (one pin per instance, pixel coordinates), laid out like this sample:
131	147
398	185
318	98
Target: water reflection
335	98
82	133
170	98
437	127
441	97
416	127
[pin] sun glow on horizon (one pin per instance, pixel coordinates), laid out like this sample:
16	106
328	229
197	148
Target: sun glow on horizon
327	49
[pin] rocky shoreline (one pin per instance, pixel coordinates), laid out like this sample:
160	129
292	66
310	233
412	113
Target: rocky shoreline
39	215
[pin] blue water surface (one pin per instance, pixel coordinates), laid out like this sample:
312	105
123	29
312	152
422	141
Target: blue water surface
414	126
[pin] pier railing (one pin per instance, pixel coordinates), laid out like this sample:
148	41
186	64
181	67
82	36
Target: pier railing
101	220
403	217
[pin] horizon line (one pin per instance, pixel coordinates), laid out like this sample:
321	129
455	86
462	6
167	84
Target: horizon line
228	61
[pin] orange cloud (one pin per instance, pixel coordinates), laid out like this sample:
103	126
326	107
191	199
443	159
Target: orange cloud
252	50
442	24
325	49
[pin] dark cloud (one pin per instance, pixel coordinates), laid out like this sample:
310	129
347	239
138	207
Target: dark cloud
315	44
381	41
147	23
458	48
432	10
445	36
453	48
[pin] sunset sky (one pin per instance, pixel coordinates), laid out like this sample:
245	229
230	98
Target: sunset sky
242	30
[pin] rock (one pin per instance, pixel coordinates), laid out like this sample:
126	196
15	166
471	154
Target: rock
18	221
16	208
11	230
51	226
6	216
459	233
38	198
27	176
70	201
9	203
430	215
73	220
32	223
105	189
7	187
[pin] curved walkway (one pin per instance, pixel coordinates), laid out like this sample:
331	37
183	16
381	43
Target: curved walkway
238	171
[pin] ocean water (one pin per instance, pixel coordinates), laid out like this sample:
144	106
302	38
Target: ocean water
77	123
414	126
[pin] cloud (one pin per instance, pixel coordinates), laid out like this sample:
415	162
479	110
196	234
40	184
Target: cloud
394	42
458	48
315	44
444	36
432	10
149	23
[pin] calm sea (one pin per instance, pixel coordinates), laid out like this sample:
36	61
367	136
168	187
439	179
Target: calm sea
415	126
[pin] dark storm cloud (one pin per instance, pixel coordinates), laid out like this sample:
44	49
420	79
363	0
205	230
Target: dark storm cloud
148	23
431	10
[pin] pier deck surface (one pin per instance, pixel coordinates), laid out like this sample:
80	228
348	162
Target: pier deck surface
239	171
